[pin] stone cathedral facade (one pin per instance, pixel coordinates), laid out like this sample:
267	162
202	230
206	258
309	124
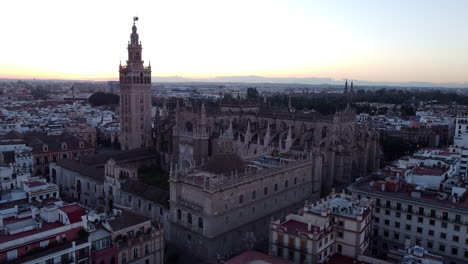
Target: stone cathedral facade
218	207
135	98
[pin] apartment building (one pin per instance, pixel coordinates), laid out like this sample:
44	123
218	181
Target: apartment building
434	219
338	224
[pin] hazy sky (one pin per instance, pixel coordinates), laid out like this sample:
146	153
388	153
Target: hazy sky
374	40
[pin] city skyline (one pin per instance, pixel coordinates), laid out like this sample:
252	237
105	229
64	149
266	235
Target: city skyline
363	40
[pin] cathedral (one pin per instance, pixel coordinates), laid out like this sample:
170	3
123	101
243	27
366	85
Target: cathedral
135	97
233	168
191	134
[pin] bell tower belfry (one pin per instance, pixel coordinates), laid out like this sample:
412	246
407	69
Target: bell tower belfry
135	97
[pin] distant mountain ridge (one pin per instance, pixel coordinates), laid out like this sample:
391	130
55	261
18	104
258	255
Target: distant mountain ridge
305	80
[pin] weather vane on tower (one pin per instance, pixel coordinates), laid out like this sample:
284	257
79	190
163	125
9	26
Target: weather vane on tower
135	18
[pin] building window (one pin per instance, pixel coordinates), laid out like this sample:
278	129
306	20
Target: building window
443	235
419	229
147	249
241	199
455	238
387	212
189	218
431	232
385	233
454	251
340	234
409	217
408	227
432	222
397	224
456	227
265	191
135	253
387	222
421	210
124	258
340	223
254	195
200	222
420	220
396	236
444	216
286	184
429	244
443	225
295	180
179	214
279	252
276	187
398	214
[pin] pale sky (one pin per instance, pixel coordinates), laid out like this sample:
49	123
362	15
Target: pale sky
372	40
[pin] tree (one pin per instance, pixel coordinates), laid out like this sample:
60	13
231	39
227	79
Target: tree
101	98
252	94
40	94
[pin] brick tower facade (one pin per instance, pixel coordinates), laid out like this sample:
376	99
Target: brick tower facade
135	97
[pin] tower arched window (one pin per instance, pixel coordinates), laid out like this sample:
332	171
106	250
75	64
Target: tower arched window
179	214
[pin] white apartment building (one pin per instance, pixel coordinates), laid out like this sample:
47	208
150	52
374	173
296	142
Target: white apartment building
436	219
460	139
338	224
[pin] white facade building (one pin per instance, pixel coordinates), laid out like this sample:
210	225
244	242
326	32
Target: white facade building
337	224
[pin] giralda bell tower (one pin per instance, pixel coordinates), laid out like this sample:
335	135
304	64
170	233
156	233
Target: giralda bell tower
135	97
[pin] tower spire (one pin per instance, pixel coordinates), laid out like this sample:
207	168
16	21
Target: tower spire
135	92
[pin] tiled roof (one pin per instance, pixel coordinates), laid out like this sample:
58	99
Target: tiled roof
34	183
83	169
54	142
253	257
126	220
74	212
119	156
428	171
148	192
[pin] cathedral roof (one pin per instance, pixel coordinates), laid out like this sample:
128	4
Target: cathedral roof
224	163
